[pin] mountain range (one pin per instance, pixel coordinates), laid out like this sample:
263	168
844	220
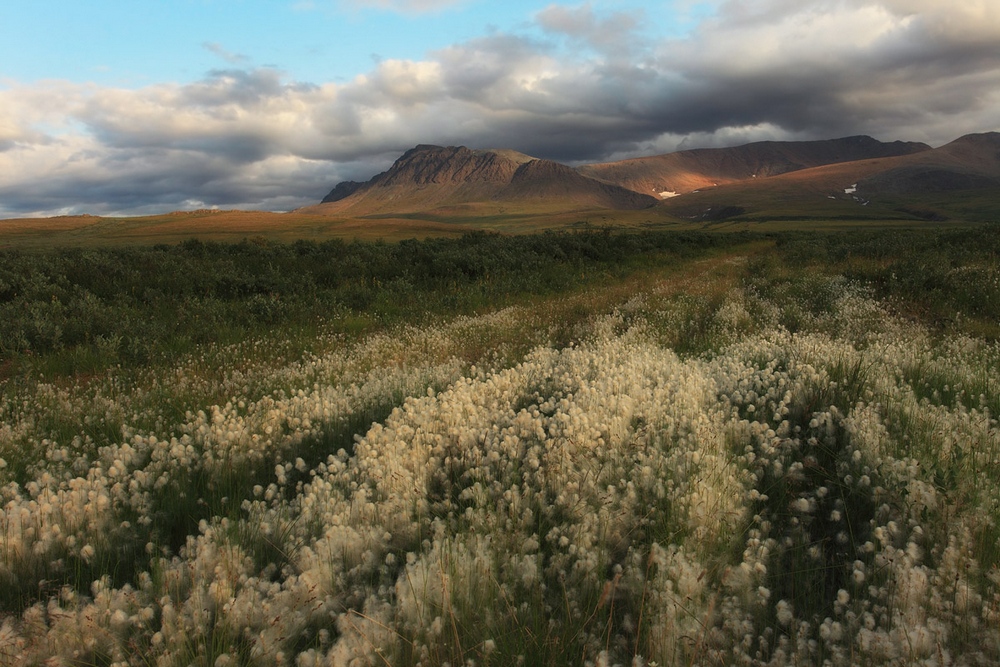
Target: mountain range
854	176
436	190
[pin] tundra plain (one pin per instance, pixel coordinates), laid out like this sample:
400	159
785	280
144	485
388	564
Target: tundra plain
568	448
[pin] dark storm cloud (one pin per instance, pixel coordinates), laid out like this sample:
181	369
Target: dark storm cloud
836	67
899	69
592	87
158	180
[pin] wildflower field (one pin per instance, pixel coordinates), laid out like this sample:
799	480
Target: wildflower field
622	449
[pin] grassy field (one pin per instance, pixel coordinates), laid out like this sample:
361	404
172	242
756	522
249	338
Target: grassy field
804	211
219	226
592	448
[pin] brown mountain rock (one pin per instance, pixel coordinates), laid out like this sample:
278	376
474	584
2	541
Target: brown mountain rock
428	177
684	171
545	179
971	162
838	178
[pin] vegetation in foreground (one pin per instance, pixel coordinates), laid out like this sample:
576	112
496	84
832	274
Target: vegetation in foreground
78	311
763	455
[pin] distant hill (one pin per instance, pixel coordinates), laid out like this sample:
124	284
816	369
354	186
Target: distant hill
673	174
960	180
443	181
968	163
428	177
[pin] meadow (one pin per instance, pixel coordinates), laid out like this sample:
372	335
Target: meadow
594	448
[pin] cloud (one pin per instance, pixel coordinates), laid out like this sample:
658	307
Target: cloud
612	35
403	6
232	141
250	137
877	67
228	56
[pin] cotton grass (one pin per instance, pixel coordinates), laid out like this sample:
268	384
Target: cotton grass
827	496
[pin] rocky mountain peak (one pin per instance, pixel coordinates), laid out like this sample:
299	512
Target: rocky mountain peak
426	164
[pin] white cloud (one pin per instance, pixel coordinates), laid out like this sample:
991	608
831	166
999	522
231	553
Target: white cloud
228	56
613	34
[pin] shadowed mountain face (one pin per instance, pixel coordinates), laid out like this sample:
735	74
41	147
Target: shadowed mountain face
971	162
543	179
342	190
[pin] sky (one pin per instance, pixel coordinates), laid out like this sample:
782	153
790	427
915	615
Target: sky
130	107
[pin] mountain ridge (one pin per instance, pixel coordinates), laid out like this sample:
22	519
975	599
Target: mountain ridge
958	183
688	170
428	176
960	180
456	182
